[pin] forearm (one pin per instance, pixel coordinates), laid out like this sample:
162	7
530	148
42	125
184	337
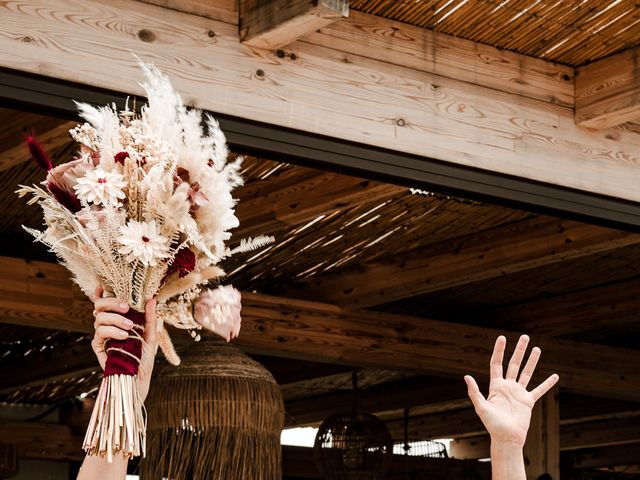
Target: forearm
94	467
507	462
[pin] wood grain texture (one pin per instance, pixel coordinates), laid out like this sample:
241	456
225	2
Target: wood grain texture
608	91
277	23
481	256
322	332
323	90
572	437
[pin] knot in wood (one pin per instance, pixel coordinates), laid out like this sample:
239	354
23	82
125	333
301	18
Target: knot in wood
146	35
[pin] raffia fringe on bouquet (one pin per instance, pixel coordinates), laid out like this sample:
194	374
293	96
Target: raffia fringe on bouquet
118	422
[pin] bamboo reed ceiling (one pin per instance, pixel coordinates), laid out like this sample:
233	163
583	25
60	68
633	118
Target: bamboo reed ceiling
573	32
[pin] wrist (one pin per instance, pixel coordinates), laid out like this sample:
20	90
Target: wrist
506	447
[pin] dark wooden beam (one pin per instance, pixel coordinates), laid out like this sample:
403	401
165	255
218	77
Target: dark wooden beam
614	456
585	312
40	294
619	431
481	256
430	394
40	368
463	422
277	23
608	91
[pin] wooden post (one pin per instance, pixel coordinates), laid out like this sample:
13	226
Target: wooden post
542	450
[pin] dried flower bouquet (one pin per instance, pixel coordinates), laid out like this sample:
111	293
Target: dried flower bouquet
145	211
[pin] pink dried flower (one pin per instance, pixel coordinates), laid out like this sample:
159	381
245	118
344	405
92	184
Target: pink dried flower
218	310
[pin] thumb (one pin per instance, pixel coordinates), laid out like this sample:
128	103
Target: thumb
474	392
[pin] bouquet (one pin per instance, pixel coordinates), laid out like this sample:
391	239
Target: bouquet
145	211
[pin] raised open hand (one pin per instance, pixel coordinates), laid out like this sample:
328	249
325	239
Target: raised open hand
506	412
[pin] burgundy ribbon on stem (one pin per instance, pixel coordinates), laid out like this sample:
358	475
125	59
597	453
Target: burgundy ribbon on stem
118	362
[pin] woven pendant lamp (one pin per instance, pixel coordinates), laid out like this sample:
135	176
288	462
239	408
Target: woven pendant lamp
353	445
218	416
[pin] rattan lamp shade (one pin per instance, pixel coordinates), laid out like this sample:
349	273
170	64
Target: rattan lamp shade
218	416
353	446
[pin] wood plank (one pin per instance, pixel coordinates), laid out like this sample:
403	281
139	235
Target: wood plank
322	332
542	448
464	423
480	256
323	90
583	312
615	456
573	437
439	394
608	90
406	45
277	23
40	441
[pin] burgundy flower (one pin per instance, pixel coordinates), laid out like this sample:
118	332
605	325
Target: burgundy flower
184	263
38	154
65	198
120	156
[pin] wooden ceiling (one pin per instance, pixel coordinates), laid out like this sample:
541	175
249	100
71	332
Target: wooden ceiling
573	32
364	244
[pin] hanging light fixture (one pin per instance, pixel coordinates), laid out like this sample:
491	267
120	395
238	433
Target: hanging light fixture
353	446
218	416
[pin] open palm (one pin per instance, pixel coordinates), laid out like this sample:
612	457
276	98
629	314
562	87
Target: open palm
506	412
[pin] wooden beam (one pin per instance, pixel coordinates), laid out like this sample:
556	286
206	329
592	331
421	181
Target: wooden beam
402	44
608	91
51	133
301	195
322	332
572	437
278	23
583	312
323	90
43	441
38	369
431	394
488	254
464	422
615	456
542	448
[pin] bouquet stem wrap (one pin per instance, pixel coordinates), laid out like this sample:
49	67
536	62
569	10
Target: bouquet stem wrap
118	422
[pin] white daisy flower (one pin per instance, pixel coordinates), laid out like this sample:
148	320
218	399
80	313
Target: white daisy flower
101	187
142	241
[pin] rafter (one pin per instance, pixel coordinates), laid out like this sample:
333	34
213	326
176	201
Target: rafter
572	437
278	23
608	91
480	256
322	332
